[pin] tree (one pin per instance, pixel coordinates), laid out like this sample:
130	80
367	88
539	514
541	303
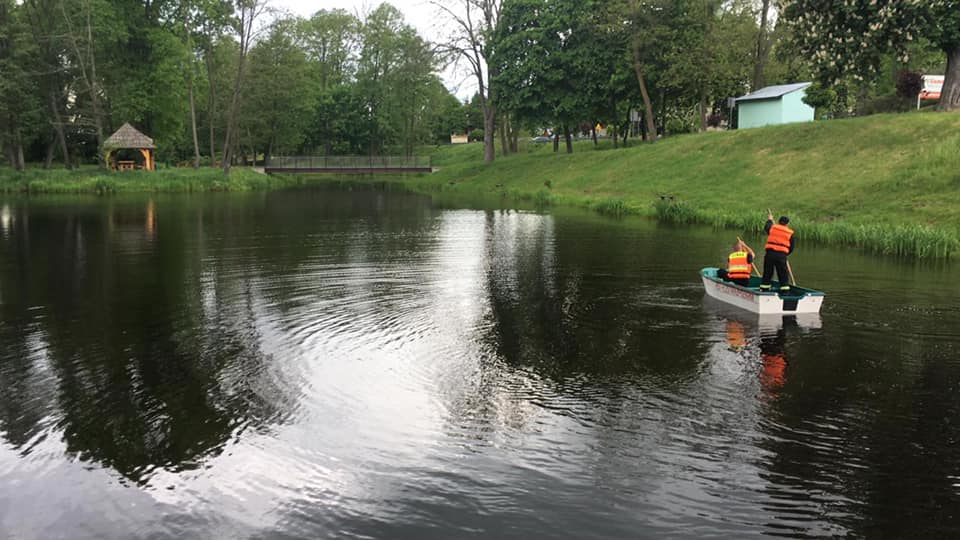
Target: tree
763	47
278	113
641	17
213	17
474	22
548	62
20	106
45	26
330	41
79	26
840	38
248	13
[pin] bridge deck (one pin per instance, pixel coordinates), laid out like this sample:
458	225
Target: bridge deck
348	165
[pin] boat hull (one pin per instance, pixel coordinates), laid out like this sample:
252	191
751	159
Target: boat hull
798	300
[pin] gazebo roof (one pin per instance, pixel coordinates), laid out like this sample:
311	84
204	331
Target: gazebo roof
128	137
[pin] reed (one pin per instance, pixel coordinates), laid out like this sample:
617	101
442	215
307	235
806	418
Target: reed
613	207
100	182
900	240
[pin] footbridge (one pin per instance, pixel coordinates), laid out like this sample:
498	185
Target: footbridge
348	165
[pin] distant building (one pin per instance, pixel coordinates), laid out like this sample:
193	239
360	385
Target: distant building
459	139
782	104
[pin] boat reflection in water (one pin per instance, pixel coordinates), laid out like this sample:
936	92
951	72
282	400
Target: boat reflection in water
756	345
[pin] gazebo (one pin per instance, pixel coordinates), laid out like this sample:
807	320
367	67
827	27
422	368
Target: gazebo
128	138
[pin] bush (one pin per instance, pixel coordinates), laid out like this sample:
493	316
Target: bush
909	84
820	98
477	134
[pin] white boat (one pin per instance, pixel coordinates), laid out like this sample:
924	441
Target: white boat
750	298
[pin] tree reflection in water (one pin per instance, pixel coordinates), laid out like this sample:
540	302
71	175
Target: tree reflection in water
146	355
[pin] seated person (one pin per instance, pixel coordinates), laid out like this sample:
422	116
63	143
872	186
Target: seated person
738	265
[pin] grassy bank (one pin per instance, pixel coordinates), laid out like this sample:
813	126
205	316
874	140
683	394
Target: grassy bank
93	180
886	183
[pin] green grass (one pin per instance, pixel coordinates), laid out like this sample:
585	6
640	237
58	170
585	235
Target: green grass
93	180
885	183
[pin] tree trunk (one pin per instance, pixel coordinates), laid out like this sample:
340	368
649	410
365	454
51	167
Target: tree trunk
950	95
231	122
556	142
193	125
566	136
760	60
51	149
11	158
663	114
489	125
211	107
248	12
94	92
503	135
594	130
514	139
702	109
18	155
58	127
647	107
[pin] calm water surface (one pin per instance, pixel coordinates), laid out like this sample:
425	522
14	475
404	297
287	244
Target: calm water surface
371	365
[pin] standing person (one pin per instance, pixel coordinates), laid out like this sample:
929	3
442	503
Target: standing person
738	264
779	246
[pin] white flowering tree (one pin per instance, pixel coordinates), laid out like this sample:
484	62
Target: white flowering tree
848	39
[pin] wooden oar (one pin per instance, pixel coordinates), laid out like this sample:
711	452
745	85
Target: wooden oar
790	271
752	265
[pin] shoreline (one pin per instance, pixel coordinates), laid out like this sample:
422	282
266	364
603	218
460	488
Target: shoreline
886	184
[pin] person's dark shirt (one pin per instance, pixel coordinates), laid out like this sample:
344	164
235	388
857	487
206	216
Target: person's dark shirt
766	229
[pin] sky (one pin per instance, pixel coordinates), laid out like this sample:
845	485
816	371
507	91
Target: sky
420	14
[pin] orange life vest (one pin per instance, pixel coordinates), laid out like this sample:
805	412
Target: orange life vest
738	267
773	373
779	238
736	334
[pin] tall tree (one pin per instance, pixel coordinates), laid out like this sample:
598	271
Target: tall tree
78	19
248	12
331	38
20	106
840	38
45	25
763	47
474	22
548	62
213	18
278	113
641	18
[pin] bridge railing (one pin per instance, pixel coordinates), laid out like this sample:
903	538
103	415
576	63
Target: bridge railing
349	162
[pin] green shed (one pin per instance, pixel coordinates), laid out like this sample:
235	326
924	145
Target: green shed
781	104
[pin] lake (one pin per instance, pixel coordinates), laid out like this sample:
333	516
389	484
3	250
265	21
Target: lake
368	363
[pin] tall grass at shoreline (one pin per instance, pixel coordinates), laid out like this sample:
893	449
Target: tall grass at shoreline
100	182
901	240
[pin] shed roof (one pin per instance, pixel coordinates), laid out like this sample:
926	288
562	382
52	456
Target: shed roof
128	137
773	92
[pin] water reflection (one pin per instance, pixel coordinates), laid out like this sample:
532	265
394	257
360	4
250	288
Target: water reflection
364	363
105	344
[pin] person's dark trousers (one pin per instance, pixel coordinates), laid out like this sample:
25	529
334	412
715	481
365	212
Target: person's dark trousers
775	259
